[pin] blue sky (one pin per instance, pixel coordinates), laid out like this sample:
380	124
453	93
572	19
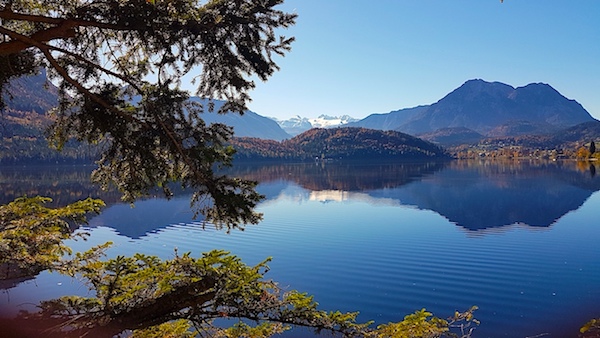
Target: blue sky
360	57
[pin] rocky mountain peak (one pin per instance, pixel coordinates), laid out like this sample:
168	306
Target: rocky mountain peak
477	89
483	107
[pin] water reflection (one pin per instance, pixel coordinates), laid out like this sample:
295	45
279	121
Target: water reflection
471	194
484	195
64	184
341	176
474	195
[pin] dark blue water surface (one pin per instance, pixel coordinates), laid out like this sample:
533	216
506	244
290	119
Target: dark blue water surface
519	240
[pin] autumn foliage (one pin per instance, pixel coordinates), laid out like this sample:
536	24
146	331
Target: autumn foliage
338	143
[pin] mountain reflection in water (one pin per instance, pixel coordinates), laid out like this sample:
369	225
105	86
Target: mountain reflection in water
472	194
475	195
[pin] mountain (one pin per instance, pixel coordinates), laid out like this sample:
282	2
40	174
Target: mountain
482	106
345	143
294	125
581	133
297	124
569	138
452	136
475	110
250	124
326	121
489	108
31	94
23	122
516	128
389	121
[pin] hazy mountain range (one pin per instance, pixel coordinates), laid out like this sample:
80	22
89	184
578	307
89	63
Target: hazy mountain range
476	110
536	114
249	124
491	109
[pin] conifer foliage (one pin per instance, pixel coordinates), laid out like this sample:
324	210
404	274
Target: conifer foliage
118	65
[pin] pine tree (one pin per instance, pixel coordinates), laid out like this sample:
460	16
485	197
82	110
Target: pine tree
118	65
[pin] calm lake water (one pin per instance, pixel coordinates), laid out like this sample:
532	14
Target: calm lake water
517	239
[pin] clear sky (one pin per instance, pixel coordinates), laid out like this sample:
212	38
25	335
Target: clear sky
373	56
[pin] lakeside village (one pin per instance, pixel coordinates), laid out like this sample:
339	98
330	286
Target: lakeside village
501	150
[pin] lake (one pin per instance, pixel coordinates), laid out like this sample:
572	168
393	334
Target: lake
517	239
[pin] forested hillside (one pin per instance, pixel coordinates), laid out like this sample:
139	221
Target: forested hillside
339	143
23	124
22	136
567	140
26	117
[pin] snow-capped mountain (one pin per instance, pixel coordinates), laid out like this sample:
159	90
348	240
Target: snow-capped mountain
294	125
298	124
325	121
